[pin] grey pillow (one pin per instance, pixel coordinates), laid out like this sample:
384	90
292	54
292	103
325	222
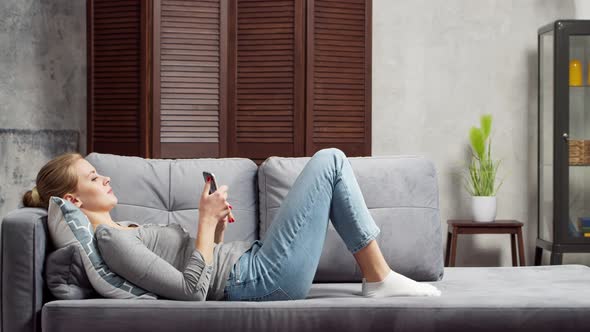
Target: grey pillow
68	225
65	275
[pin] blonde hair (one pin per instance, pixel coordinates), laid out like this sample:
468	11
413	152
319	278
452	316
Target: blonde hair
56	178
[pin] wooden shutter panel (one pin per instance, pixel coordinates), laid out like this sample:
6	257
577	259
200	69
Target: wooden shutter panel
267	109
339	76
116	122
189	78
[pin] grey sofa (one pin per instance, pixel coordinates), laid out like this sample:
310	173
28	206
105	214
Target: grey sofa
402	195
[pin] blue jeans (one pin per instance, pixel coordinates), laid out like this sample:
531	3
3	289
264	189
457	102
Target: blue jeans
282	266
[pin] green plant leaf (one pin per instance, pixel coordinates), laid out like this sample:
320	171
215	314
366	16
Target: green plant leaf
477	142
486	125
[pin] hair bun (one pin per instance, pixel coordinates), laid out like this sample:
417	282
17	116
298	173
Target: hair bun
31	198
35	194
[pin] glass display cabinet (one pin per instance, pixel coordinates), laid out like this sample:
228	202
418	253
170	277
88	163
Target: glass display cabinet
564	139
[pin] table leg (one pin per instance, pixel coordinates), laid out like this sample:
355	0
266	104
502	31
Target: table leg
513	248
556	258
521	247
453	247
538	255
447	255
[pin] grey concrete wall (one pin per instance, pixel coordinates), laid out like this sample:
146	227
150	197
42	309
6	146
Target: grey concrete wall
437	67
28	149
42	89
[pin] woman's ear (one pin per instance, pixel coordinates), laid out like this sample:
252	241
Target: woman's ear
74	200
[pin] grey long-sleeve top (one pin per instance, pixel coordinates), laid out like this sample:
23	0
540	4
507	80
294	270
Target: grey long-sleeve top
163	259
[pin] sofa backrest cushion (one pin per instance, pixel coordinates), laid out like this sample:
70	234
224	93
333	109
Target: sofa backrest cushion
401	193
68	225
166	191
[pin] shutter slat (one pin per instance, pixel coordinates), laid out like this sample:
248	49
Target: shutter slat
254	44
214	11
260	114
189	112
190	54
214	4
116	4
191	85
265	9
190	71
174	107
184	81
185	47
196	102
174	14
264	108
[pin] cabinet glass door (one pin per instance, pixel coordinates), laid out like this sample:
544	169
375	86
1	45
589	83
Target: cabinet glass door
546	58
579	139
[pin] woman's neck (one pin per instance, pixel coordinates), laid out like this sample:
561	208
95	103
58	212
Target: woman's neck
100	218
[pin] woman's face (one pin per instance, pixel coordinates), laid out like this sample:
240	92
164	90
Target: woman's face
94	191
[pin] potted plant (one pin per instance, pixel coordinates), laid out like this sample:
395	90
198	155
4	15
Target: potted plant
482	172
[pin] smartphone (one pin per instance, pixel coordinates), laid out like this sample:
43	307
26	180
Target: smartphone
213	187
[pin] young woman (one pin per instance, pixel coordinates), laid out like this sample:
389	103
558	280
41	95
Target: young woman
164	260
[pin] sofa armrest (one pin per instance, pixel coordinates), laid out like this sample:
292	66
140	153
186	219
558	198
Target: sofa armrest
24	245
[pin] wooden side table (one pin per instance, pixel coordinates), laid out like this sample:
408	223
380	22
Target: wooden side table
512	227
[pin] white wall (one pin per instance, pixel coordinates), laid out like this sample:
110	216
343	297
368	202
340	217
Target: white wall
437	67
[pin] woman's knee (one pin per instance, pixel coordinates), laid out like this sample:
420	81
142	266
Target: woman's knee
331	152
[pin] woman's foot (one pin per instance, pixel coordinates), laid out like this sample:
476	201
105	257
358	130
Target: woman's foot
396	284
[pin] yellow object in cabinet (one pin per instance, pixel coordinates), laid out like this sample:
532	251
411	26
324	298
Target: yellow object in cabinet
575	73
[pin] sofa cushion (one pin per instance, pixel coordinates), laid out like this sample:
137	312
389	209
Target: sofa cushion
401	193
65	275
167	191
68	225
528	298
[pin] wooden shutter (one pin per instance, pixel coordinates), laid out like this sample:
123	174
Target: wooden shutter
267	105
190	64
339	76
116	74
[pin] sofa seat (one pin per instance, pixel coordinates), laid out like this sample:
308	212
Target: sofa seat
529	298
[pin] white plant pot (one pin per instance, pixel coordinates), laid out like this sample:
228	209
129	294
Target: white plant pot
483	208
582	9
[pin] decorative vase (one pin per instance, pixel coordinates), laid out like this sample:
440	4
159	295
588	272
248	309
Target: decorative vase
582	9
483	208
575	73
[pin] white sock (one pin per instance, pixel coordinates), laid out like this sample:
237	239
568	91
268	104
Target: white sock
396	284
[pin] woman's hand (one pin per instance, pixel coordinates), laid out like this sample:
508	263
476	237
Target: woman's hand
214	208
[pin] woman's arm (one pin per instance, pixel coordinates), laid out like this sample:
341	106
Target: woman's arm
213	209
220	230
204	241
